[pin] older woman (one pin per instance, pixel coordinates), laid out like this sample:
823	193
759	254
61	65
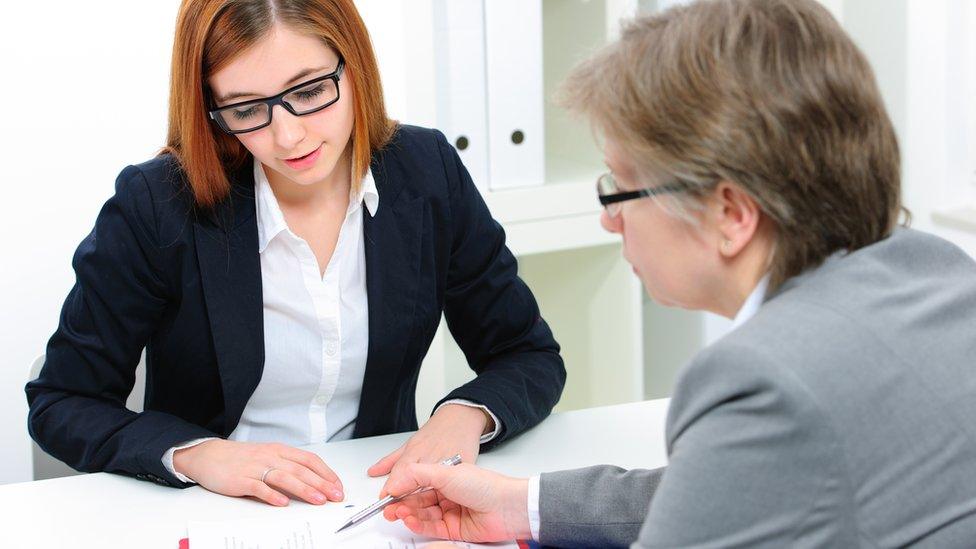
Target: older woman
755	174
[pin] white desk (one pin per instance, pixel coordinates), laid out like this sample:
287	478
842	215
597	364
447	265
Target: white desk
108	511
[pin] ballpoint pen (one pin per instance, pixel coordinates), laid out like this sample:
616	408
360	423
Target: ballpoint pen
379	505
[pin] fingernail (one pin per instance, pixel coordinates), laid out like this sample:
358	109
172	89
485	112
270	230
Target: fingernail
281	500
337	494
319	498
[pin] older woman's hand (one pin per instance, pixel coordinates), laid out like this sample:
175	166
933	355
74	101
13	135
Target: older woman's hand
467	503
453	429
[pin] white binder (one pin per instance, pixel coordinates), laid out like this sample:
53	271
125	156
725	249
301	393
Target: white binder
459	51
516	108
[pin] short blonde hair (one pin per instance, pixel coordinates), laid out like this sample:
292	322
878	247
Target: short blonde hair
769	94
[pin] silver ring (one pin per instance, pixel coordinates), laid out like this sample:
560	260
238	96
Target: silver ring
265	474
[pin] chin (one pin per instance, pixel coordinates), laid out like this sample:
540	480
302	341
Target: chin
316	174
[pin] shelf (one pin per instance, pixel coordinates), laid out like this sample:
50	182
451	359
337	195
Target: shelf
592	301
963	219
534	203
557	234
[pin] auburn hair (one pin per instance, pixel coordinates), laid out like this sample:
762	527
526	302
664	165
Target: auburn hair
211	33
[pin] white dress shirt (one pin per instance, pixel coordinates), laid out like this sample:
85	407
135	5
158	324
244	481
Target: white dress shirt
316	331
748	309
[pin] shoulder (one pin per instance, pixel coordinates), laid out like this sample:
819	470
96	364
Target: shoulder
739	367
409	139
160	179
418	160
157	196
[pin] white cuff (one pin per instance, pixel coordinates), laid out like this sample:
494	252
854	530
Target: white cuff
498	425
533	506
168	458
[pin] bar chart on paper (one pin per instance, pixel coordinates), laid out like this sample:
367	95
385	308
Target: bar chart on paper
314	529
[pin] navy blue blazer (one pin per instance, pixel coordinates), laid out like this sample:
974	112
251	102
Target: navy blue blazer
184	284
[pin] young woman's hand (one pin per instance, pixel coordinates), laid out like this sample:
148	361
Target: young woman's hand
468	503
236	469
453	429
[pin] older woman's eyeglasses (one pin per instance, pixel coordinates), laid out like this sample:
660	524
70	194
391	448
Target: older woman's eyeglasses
308	97
612	197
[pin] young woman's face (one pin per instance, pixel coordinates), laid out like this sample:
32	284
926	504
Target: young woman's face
302	149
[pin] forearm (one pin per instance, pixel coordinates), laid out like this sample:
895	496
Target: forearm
93	435
601	506
519	389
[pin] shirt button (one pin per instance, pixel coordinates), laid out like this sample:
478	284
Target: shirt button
321	400
331	348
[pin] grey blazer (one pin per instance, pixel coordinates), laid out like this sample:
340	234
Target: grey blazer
842	415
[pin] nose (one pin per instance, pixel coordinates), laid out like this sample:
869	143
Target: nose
611	224
287	128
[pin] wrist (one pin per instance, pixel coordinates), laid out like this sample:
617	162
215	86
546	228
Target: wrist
184	457
478	419
515	508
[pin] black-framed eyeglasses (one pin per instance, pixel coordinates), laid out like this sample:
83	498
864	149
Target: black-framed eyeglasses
306	98
611	197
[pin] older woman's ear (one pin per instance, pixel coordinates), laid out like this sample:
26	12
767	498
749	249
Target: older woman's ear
736	217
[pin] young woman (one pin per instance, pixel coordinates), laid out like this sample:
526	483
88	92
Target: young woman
285	263
755	174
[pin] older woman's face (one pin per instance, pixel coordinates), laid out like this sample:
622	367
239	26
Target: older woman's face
673	259
302	149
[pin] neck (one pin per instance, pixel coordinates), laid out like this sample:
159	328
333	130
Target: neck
333	191
746	269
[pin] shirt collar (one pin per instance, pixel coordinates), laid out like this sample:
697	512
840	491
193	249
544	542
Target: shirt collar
271	222
752	303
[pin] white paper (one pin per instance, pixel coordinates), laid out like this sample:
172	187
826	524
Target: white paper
312	529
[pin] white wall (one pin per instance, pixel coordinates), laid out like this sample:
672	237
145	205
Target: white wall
85	94
924	58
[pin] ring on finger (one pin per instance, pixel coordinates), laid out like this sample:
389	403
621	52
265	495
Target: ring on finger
264	475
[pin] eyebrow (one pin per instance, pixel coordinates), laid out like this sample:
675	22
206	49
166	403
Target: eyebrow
301	74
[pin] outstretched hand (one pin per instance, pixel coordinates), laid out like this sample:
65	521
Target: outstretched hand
467	503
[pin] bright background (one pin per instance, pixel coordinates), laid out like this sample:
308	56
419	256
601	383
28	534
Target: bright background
86	94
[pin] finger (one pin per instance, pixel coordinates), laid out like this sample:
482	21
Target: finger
385	465
423	499
313	462
285	480
390	511
330	489
415	475
395	473
416	501
426	514
434	529
265	493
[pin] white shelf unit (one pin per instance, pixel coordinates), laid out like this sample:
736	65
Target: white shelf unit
587	292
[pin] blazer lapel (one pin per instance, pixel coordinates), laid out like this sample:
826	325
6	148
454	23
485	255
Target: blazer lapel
230	271
393	252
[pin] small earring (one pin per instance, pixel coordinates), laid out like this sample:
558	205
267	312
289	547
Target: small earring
726	244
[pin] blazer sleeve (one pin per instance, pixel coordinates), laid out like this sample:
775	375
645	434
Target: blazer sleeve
493	315
601	506
77	404
754	460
